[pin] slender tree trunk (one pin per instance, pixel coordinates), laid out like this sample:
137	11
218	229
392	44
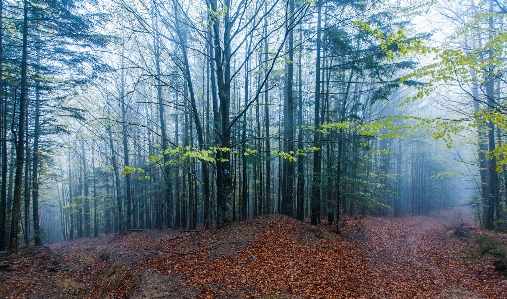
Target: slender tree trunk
163	132
3	143
267	193
95	199
20	150
26	183
125	143
119	204
79	198
70	194
182	35
86	193
300	157
317	154
288	166
216	112
244	188
258	201
35	169
126	163
178	194
493	195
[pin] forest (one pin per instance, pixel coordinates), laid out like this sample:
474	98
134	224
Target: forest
253	149
122	116
149	114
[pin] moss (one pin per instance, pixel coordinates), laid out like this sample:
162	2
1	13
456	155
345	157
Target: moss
491	246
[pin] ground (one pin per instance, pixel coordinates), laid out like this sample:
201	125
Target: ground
268	257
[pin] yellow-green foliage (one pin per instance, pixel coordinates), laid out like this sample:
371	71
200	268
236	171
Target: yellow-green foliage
451	66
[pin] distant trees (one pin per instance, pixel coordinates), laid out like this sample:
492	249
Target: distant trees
31	83
471	65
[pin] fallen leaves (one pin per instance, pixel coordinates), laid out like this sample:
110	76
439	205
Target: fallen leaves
271	256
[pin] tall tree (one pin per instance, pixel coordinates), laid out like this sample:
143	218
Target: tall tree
3	142
317	154
20	142
288	166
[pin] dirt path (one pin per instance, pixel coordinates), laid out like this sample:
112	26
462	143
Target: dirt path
420	257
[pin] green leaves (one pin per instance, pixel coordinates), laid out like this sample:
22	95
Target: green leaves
129	170
393	43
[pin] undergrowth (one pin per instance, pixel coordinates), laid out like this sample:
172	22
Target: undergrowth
491	246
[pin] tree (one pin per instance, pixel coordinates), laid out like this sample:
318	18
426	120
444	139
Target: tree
20	142
317	154
288	168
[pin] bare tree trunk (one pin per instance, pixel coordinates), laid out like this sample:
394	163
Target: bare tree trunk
95	199
267	193
317	154
86	193
216	112
20	149
26	183
182	35
244	188
288	167
163	132
114	162
300	158
35	169
223	77
126	163
493	195
3	144
258	200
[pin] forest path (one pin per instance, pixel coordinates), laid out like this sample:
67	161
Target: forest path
419	256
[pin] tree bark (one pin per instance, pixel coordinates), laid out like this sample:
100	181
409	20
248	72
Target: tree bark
300	157
20	149
35	170
267	193
195	113
317	154
493	194
288	166
86	192
3	144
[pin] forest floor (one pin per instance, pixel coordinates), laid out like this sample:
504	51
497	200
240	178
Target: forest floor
268	257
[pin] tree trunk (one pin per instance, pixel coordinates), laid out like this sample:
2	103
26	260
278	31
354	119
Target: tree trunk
3	144
95	199
493	195
300	157
288	166
119	204
223	77
216	112
182	35
126	163
317	154
86	193
35	170
244	180
20	149
163	132
26	182
267	193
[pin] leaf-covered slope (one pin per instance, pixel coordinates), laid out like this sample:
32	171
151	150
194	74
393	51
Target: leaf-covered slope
269	257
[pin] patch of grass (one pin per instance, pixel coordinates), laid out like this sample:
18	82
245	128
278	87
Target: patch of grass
468	256
501	226
491	246
500	253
